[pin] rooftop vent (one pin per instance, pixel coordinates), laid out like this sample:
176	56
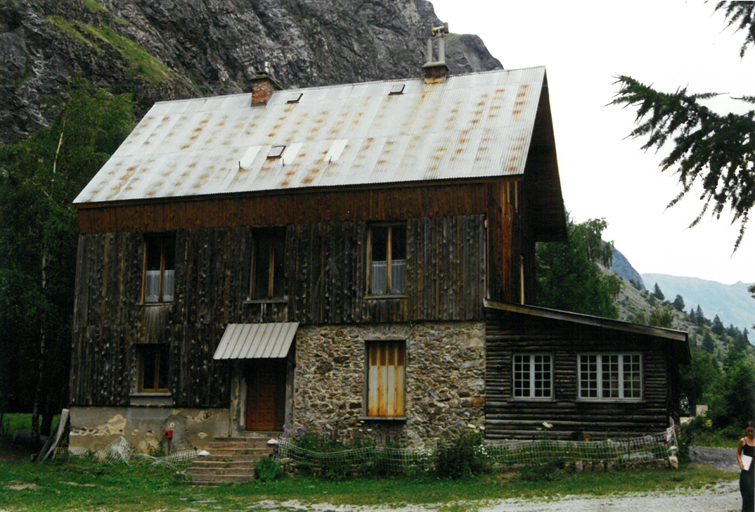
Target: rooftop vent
397	89
276	152
294	98
436	71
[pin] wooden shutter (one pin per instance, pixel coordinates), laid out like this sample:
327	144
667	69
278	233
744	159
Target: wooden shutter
386	377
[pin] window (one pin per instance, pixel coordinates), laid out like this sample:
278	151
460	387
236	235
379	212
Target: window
387	265
533	376
386	372
153	368
268	271
159	268
610	376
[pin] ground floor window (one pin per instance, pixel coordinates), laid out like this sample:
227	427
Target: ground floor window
533	376
386	379
610	376
153	368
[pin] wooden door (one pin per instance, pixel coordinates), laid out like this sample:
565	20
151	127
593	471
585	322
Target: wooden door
266	395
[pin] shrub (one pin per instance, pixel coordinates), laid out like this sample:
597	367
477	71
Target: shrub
460	456
267	470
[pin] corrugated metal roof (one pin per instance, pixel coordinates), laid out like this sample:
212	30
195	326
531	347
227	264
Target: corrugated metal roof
256	341
470	126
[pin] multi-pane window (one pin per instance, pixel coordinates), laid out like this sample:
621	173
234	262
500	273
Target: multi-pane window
610	376
533	376
268	267
153	368
159	268
386	376
387	265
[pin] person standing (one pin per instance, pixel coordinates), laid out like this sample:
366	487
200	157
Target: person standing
747	476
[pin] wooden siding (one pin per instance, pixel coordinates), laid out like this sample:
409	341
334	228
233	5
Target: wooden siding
507	418
325	284
286	208
510	244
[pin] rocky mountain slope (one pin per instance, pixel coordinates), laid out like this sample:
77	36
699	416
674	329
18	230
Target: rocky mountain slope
168	49
622	268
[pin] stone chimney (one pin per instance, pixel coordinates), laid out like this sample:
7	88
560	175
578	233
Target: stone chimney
263	86
436	71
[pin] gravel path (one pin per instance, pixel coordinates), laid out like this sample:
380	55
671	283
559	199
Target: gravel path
723	497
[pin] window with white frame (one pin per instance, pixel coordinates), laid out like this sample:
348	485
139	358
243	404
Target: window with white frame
533	376
610	376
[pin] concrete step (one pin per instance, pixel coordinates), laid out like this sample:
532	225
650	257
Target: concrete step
236	458
200	473
231	460
222	479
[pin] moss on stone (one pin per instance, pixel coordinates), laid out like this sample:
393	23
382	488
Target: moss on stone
71	31
94	6
139	61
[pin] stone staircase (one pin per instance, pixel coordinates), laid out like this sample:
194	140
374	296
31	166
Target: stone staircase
231	460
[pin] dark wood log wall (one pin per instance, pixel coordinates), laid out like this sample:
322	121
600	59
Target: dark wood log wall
507	418
325	284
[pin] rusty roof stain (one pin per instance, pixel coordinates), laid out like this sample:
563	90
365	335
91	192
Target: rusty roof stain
471	126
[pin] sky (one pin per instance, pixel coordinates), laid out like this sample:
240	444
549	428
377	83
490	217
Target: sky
584	45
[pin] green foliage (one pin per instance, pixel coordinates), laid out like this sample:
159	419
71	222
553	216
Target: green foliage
139	61
662	316
716	151
731	399
267	470
569	277
699	377
657	293
718	326
39	178
460	457
678	303
536	473
708	344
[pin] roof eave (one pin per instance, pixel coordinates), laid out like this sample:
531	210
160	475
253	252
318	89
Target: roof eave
595	321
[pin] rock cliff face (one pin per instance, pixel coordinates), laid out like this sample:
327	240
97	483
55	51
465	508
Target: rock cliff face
168	49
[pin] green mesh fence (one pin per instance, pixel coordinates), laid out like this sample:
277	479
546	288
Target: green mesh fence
378	460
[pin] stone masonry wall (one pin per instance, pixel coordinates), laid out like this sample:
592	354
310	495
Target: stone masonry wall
445	380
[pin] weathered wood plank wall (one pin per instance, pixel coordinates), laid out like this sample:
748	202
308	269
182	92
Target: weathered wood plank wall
286	208
507	418
325	283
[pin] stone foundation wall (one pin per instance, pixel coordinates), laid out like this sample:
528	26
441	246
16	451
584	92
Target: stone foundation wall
445	380
94	428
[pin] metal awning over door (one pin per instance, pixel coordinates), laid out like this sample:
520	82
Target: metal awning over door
256	341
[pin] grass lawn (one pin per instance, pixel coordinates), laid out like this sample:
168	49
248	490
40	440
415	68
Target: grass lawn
82	485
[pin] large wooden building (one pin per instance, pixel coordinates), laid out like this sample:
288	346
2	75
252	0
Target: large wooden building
356	253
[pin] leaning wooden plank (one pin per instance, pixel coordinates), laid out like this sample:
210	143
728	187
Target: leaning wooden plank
58	436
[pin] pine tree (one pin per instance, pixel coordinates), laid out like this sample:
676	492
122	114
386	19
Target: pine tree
700	316
718	326
657	293
716	151
569	277
678	303
707	344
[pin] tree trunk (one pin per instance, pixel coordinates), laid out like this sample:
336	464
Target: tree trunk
41	363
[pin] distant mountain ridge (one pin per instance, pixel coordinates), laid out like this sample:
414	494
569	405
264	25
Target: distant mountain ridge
732	303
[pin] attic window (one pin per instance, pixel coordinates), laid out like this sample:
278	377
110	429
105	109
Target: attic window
276	152
294	98
397	89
